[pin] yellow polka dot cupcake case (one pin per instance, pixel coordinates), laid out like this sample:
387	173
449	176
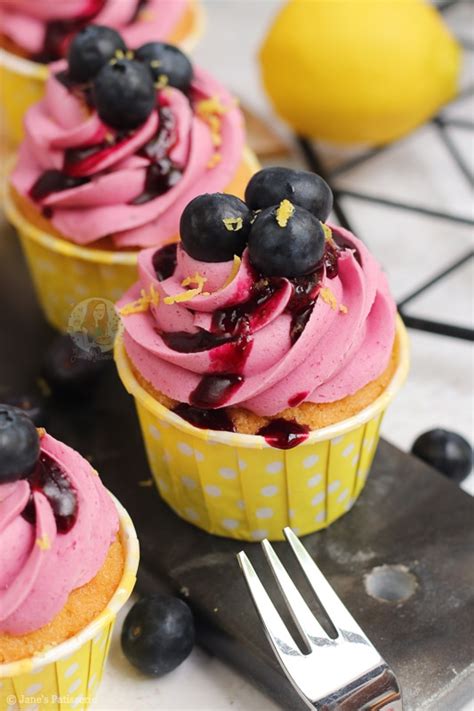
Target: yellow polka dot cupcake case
236	485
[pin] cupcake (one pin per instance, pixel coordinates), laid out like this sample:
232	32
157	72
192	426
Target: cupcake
113	153
34	33
262	352
69	557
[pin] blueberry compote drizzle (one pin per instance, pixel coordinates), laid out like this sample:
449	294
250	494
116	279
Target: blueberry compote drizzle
162	174
205	419
58	33
284	434
53	181
164	261
48	478
201	340
81	162
214	391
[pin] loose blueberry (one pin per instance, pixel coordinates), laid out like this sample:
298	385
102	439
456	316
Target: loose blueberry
446	451
91	48
272	185
32	404
65	371
158	634
214	227
19	444
124	94
166	60
286	240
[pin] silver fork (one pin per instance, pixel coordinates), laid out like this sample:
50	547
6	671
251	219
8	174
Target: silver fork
344	674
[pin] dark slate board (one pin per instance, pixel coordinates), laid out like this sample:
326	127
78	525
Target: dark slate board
408	514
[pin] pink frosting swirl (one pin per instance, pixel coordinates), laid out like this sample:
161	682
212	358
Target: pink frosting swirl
26	22
346	341
41	566
116	176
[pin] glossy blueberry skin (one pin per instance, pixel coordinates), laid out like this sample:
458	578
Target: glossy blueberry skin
90	50
204	234
290	251
270	186
32	403
158	634
66	372
446	451
19	444
167	60
124	94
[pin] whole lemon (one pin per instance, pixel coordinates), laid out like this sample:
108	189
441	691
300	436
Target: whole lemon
359	71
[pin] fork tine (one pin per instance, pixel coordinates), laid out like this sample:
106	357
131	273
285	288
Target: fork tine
275	629
337	612
302	615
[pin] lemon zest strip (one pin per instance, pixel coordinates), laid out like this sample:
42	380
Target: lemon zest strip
233	224
142	303
328	297
190	293
43	543
284	211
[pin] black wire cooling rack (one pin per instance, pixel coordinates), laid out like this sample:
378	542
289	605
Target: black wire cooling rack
441	123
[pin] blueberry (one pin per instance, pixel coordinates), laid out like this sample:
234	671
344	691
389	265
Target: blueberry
124	94
214	227
19	444
169	61
65	371
158	634
32	403
446	451
286	240
91	48
272	185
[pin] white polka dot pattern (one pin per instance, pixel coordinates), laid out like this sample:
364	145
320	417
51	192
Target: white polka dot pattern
239	491
63	278
274	467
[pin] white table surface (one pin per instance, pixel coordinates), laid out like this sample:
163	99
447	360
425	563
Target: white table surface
412	248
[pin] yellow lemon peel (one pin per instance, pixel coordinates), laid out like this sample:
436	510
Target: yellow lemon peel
142	303
284	212
211	110
197	279
162	82
328	297
233	272
233	224
44	543
146	15
327	232
214	160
